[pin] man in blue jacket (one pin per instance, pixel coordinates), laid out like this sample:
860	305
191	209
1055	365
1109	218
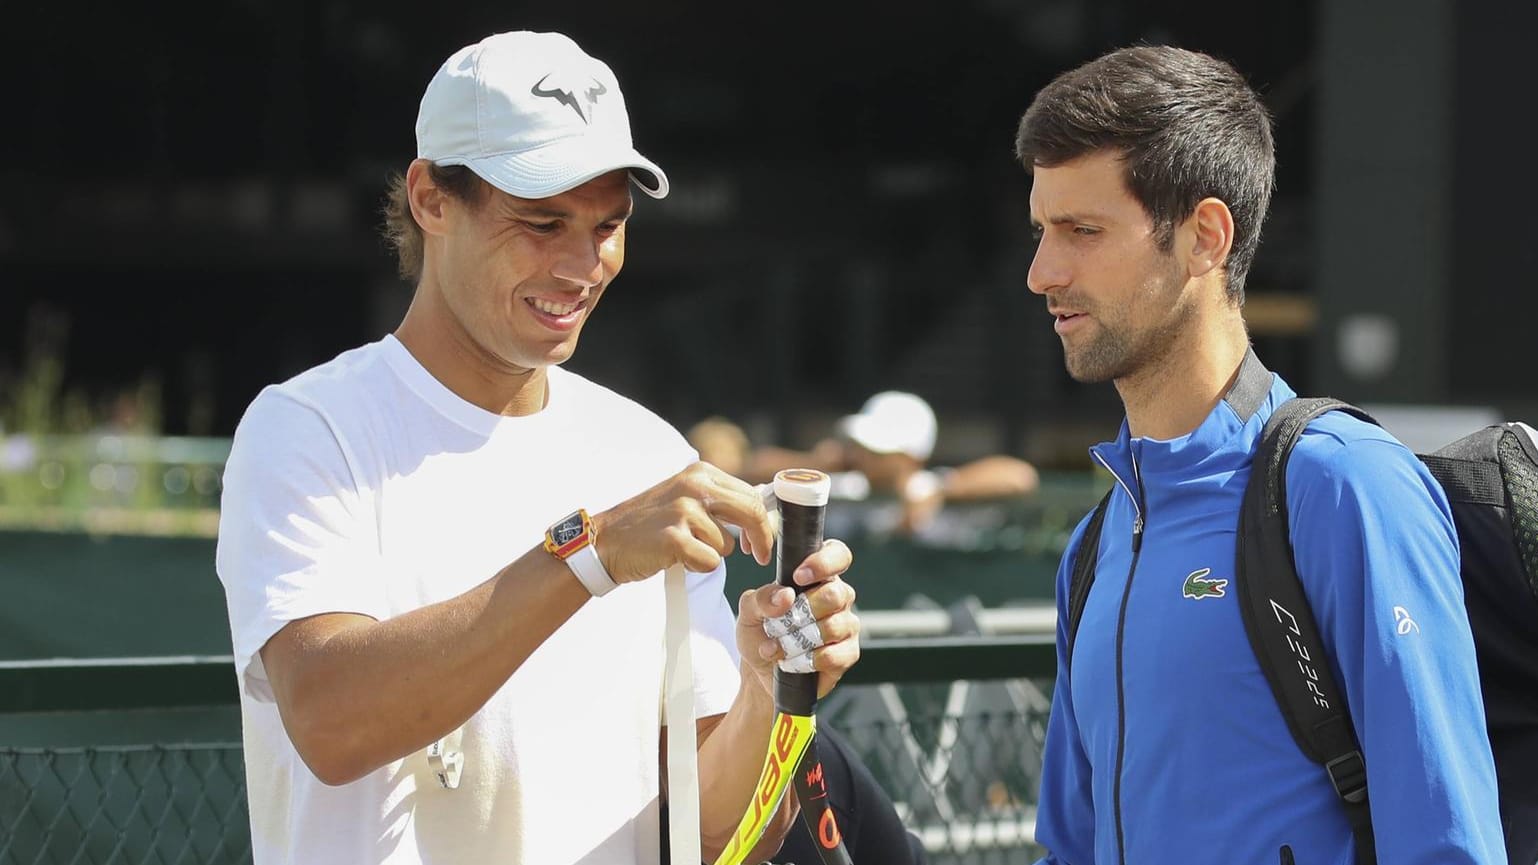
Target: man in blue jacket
1153	169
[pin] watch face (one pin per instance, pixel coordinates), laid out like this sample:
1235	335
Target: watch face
566	530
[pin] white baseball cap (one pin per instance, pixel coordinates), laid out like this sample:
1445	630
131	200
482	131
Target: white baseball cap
893	422
533	115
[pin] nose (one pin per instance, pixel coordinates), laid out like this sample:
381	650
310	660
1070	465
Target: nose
580	262
1049	269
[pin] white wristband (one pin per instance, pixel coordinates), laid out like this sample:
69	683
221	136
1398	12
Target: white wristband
590	571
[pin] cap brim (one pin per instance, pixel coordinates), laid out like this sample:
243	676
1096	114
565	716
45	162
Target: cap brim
563	165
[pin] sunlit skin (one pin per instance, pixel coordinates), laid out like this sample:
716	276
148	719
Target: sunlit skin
474	322
1154	321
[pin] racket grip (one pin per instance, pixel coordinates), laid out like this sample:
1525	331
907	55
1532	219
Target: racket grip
803	499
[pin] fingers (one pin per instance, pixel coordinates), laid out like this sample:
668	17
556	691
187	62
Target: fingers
805	641
799	616
695	554
801	629
687	519
830	560
796	631
766	496
747	546
801	641
774	600
832	661
715	534
806	663
730	500
762	603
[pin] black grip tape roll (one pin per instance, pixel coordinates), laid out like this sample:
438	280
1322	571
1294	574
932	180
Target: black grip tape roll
803	499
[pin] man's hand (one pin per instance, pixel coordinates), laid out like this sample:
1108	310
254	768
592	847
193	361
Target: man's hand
683	519
829	630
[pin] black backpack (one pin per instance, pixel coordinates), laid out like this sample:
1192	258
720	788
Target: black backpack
1491	481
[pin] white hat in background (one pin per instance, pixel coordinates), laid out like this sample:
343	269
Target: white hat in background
532	114
893	422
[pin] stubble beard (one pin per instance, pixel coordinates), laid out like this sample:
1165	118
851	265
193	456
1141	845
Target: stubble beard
1116	351
1100	359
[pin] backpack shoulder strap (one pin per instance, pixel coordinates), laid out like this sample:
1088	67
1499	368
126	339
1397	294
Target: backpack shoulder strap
1280	624
1084	561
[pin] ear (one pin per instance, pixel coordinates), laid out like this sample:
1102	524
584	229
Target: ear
426	198
1212	236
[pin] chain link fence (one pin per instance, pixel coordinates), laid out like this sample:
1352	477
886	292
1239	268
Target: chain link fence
148	804
960	760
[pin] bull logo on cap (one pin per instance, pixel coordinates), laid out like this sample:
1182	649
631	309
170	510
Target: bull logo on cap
567	95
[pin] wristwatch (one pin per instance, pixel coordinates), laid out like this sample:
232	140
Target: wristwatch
572	541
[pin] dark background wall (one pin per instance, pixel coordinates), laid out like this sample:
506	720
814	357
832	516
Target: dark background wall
1492	305
192	195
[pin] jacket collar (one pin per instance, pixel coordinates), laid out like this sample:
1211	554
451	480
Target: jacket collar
1226	436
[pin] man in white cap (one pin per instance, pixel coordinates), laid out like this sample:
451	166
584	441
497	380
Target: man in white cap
883	451
888	443
439	549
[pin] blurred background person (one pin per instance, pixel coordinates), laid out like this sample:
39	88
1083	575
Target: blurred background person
721	443
883	451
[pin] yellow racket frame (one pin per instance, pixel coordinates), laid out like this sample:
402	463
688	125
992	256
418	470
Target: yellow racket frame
792	735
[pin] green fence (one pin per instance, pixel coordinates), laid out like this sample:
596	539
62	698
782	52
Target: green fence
959	756
139	804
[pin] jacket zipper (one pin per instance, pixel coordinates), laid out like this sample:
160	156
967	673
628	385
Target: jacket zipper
1140	507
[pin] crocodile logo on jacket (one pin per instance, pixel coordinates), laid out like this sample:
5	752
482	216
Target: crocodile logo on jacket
1197	586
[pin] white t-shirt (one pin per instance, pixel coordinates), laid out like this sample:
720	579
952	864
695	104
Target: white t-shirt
366	486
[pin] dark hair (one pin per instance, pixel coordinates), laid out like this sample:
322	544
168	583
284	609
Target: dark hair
1188	126
400	227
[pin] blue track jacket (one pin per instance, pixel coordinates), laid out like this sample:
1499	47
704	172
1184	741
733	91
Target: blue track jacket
1165	744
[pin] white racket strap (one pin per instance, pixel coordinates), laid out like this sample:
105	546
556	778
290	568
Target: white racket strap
683	755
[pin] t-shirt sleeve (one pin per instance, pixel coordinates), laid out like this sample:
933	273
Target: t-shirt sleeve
295	539
1378	556
712	643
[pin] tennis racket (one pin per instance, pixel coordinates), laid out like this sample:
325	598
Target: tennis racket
792	753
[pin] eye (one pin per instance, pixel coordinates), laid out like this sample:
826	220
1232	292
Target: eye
542	227
1085	230
1036	232
609	228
